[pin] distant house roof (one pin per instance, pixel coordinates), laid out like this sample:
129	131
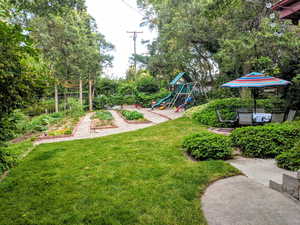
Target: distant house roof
183	75
288	9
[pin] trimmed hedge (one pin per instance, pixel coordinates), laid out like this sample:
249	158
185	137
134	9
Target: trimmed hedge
266	141
208	146
207	114
290	160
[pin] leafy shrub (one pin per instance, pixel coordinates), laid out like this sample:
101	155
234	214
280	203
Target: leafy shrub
129	100
190	112
7	160
103	115
145	100
40	107
293	96
100	102
208	146
207	115
127	89
290	159
116	100
132	115
106	86
147	84
75	108
266	141
10	154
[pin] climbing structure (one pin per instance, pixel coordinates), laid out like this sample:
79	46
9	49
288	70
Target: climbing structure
182	87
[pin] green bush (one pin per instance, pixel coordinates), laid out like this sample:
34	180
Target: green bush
100	102
75	108
40	108
128	88
103	115
207	115
116	100
106	86
290	159
132	115
266	141
145	100
208	146
10	154
190	112
7	160
147	84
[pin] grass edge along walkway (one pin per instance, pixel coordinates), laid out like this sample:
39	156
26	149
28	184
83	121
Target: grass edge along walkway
140	177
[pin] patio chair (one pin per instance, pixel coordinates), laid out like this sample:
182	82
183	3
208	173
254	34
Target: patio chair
291	115
277	117
232	122
260	110
245	118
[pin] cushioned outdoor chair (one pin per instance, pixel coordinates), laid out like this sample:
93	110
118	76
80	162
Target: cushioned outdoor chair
260	110
233	122
245	118
277	117
291	115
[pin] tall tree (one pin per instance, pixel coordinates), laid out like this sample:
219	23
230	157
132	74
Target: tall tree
23	73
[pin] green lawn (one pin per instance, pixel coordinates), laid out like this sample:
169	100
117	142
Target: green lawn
141	177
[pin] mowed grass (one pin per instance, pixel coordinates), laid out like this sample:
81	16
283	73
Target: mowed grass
141	177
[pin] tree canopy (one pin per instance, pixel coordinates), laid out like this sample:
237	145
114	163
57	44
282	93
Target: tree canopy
224	38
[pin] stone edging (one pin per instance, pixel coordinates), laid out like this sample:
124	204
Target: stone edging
133	121
103	127
62	136
162	115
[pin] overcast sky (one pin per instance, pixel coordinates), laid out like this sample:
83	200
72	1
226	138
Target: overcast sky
114	19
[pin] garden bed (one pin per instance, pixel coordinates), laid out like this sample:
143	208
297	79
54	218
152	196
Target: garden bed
102	120
67	127
132	117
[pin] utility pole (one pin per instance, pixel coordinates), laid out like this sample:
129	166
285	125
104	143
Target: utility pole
135	33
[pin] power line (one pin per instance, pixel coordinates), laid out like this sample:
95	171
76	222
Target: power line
133	8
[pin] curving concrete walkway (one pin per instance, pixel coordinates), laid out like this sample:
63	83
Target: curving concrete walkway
242	201
83	131
248	200
261	170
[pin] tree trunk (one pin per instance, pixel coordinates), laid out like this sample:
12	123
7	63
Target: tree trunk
90	96
56	98
65	99
80	92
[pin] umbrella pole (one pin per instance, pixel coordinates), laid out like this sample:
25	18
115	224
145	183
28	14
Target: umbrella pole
254	98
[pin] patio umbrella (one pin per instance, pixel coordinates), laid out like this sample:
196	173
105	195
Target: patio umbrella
256	80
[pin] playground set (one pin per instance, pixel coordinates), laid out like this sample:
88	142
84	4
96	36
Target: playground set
183	92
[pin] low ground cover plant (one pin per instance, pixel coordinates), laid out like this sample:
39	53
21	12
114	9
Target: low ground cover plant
102	118
290	159
207	146
266	141
132	115
103	115
53	124
10	154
